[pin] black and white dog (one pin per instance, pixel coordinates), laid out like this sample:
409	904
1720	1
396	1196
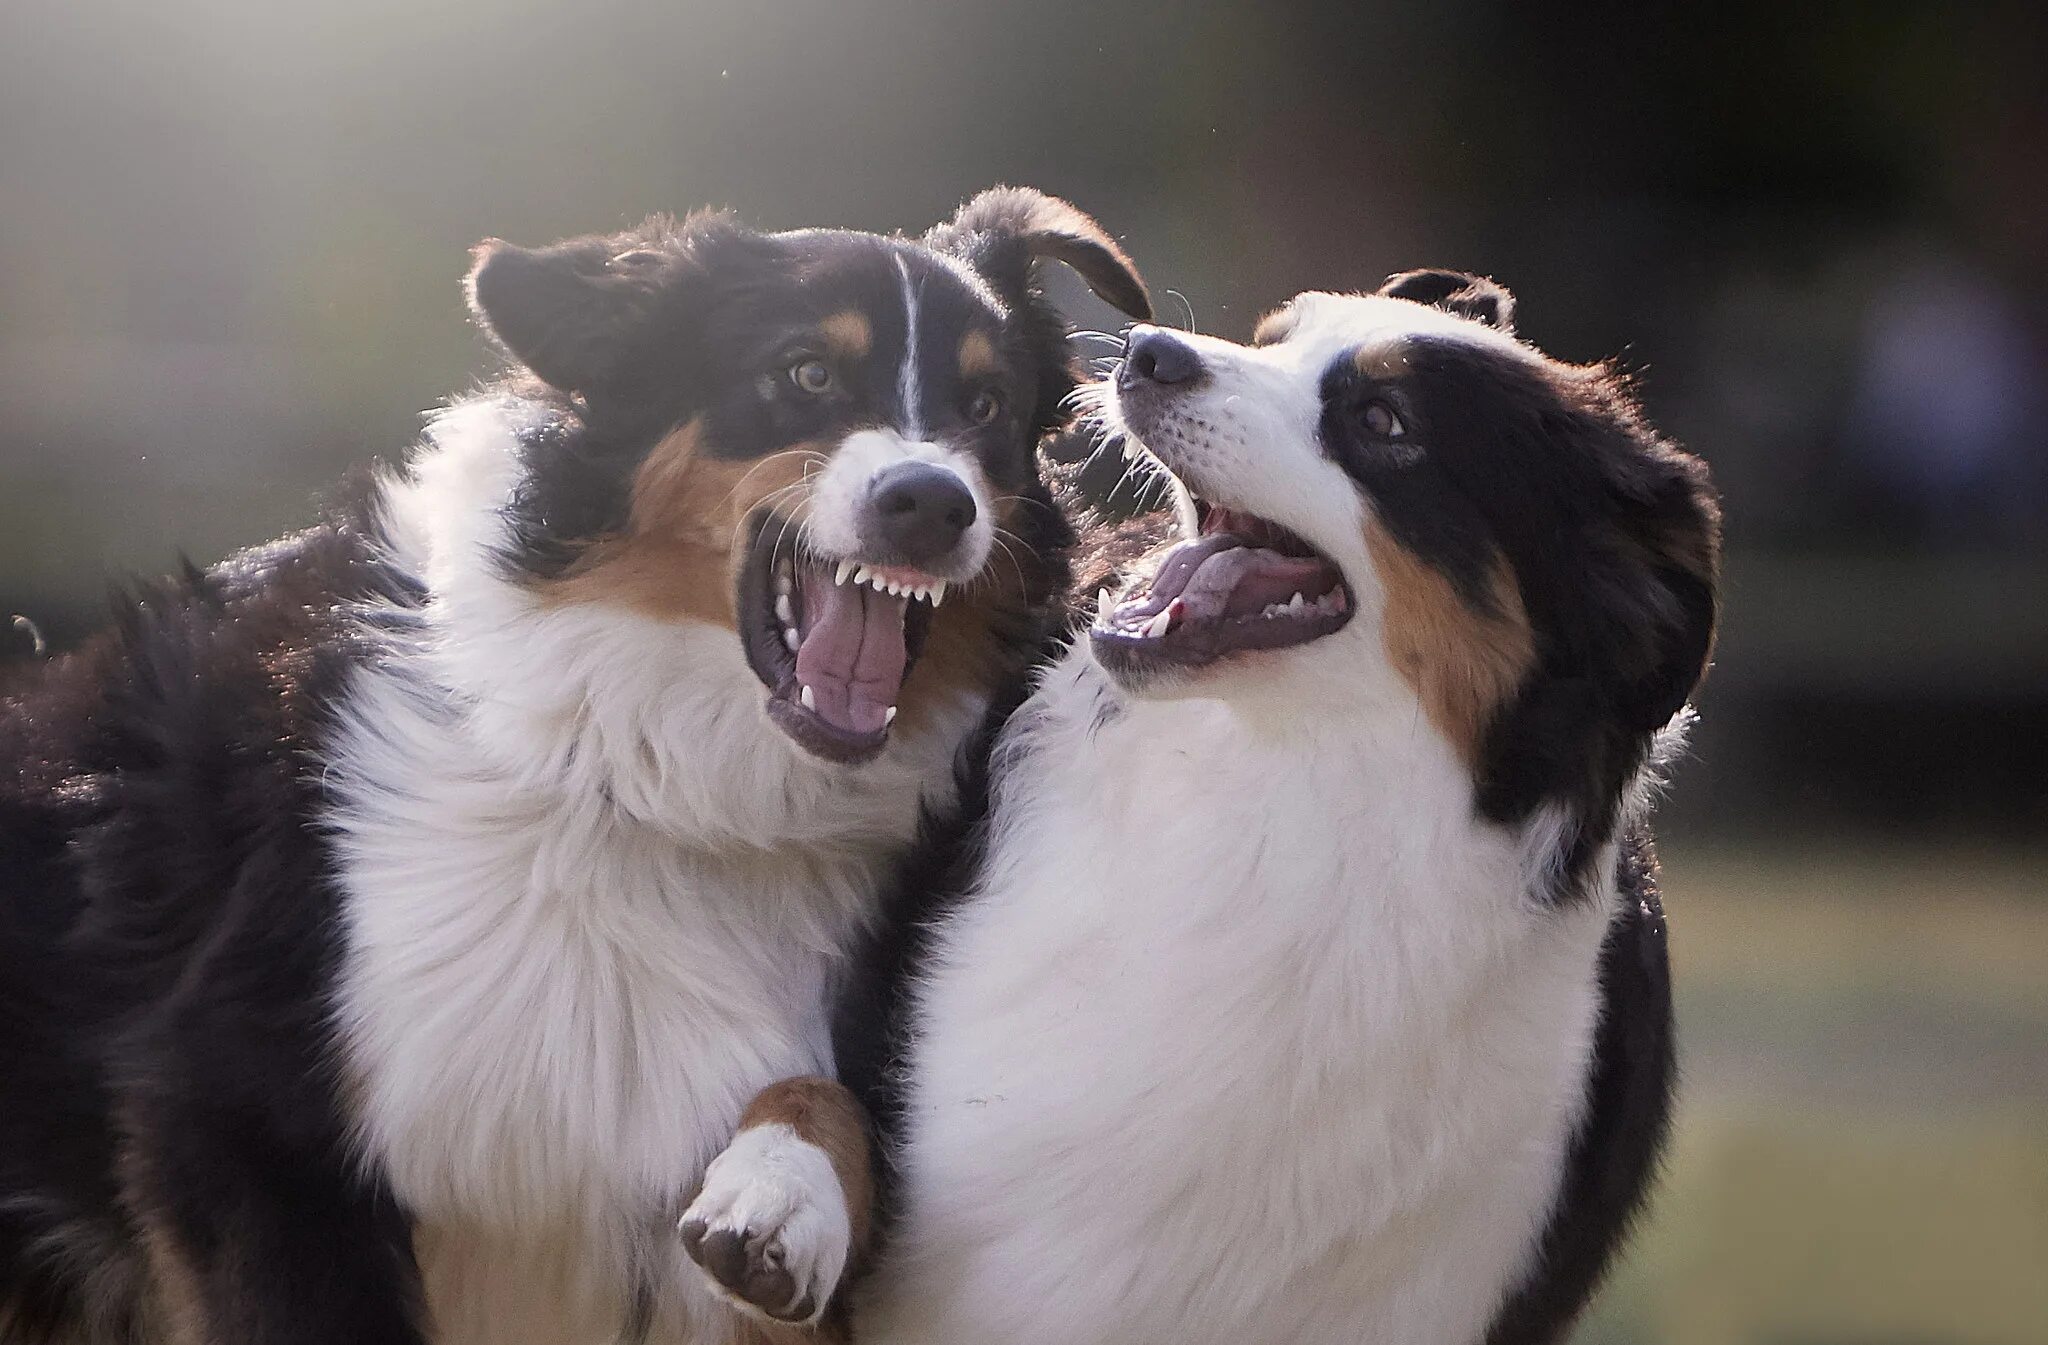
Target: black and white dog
396	918
1311	985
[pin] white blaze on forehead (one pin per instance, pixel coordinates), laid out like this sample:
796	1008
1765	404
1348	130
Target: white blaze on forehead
907	391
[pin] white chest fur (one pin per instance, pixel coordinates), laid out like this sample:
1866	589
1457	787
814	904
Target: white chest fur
593	902
1248	1037
553	1018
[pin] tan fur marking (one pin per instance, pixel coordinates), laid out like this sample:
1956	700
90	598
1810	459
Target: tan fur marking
977	355
1275	326
174	1298
1463	664
176	1304
849	334
678	558
824	1113
1387	360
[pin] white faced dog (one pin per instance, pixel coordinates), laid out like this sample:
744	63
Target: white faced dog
1309	984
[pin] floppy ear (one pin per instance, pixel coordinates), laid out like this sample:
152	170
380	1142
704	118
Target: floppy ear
1004	230
1673	530
1457	292
568	311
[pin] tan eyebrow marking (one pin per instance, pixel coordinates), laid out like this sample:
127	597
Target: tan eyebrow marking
1388	359
977	355
1276	325
849	333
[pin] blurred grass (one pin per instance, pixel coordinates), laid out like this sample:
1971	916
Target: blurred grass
1861	1155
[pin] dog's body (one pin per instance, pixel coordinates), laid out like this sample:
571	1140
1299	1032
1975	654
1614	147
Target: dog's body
1311	986
394	920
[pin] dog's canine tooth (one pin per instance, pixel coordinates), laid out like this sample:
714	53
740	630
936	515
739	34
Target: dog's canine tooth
790	638
937	592
845	569
810	701
783	611
888	716
1160	624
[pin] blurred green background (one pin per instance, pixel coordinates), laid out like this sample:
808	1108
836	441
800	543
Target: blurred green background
231	234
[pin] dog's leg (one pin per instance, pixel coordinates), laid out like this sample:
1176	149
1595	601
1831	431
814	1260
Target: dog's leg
249	1240
787	1209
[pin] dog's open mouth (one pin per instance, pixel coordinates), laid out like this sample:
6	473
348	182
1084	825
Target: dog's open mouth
1244	583
832	641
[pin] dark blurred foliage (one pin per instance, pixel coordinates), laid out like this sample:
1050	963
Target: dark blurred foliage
231	234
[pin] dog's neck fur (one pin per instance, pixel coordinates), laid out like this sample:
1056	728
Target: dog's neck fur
596	900
1232	892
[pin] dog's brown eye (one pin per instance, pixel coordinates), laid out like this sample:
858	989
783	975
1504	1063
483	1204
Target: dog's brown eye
1381	421
986	406
811	375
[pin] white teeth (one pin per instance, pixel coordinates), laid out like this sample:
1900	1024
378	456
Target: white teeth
783	583
1102	600
783	611
888	716
810	701
1296	603
937	592
789	637
1160	624
1273	609
845	569
860	574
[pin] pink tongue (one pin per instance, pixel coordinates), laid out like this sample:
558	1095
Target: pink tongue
1244	581
852	655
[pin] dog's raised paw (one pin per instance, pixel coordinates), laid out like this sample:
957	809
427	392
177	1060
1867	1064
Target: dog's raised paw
770	1226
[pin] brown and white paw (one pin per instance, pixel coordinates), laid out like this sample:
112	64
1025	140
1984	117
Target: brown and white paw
771	1227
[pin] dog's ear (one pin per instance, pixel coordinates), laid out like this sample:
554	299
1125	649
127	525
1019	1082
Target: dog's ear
565	311
1004	230
570	312
1671	520
1457	292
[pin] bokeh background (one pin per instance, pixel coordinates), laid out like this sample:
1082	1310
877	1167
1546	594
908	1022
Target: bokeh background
231	233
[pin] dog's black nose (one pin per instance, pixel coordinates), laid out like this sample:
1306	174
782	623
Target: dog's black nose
1158	356
920	511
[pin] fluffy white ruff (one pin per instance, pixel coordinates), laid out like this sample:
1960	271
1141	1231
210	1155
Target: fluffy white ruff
594	901
774	1186
1251	1032
1249	1035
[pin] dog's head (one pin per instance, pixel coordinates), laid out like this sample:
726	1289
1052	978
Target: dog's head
823	440
1390	492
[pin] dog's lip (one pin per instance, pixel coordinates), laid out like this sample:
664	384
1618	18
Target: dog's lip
1242	584
770	605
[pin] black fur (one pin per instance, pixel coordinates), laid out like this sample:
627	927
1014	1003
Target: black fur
1612	538
1610	533
173	1129
165	924
636	332
1628	1115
